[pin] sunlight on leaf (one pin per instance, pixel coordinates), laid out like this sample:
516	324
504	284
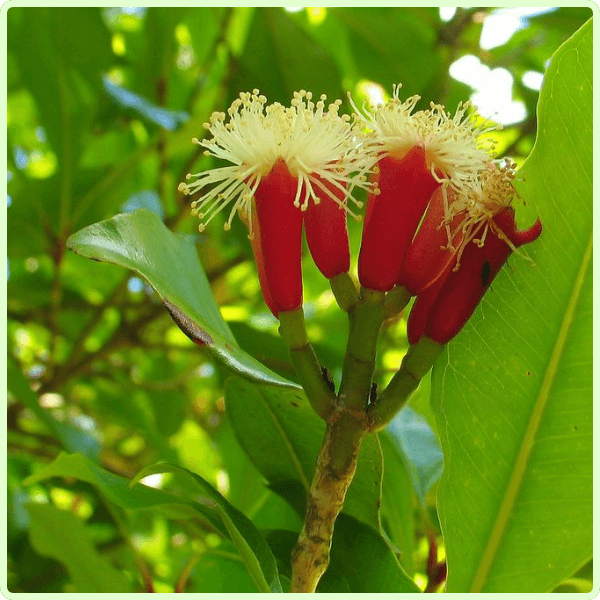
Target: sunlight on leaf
513	393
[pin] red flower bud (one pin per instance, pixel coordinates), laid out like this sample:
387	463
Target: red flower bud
459	293
283	162
280	234
260	265
430	252
326	230
417	320
393	215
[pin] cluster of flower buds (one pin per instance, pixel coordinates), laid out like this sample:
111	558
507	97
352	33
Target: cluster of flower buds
438	221
441	224
293	168
453	279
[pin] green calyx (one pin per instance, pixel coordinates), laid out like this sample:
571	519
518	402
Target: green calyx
344	290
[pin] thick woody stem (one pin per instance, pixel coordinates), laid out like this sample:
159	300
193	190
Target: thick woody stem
334	472
346	427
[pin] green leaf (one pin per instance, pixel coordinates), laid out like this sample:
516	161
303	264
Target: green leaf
282	59
397	502
381	54
361	561
253	549
55	48
420	447
71	438
226	519
136	413
116	489
165	118
513	394
282	436
140	241
266	347
63	536
379	570
220	571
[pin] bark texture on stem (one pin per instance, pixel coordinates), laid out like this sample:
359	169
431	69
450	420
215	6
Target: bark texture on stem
336	465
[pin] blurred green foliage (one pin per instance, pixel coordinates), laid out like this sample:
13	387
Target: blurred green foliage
102	107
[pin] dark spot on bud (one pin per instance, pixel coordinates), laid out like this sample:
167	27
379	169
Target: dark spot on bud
486	273
528	373
294	404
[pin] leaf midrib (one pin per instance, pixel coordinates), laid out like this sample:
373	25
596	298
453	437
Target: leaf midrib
518	472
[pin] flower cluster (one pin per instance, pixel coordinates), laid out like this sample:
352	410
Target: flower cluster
438	220
291	167
453	280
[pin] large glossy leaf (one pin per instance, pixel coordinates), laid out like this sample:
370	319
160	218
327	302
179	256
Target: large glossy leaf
140	241
513	394
282	435
63	536
256	554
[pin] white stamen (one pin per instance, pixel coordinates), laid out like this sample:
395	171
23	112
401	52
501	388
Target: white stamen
314	143
480	200
453	144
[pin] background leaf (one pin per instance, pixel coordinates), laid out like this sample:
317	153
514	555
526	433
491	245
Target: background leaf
513	393
299	62
268	417
398	503
257	556
62	535
116	488
420	448
220	571
72	438
212	506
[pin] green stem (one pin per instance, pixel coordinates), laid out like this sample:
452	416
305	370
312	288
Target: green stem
293	330
365	322
415	365
346	427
